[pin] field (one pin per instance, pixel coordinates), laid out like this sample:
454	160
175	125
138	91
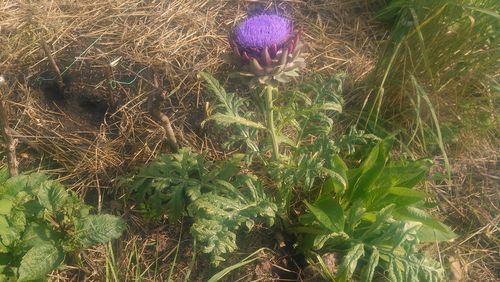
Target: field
110	98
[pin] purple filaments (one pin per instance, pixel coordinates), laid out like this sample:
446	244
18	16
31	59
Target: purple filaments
263	31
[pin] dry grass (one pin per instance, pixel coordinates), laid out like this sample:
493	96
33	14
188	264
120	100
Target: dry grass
471	206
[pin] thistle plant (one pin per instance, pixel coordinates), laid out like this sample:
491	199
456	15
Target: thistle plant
368	213
268	48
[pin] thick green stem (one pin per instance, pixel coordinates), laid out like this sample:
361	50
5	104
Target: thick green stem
270	122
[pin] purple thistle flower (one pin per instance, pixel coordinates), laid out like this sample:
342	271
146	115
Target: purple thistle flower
268	47
263	31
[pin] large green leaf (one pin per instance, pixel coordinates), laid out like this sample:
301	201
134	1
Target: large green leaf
16	221
5	206
328	213
98	229
40	261
52	195
38	234
24	182
429	234
4	228
369	171
401	268
400	196
409	173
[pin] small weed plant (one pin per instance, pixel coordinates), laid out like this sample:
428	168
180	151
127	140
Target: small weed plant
41	222
370	214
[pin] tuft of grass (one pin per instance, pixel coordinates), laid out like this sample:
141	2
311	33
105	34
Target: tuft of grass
451	49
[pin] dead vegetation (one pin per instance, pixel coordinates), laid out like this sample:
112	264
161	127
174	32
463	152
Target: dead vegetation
471	206
114	55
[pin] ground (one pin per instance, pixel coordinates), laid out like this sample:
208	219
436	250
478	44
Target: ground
100	127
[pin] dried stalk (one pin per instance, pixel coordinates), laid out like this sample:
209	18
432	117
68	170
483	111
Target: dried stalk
25	140
6	133
53	64
154	110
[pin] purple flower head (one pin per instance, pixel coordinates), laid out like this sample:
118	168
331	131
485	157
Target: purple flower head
268	47
262	31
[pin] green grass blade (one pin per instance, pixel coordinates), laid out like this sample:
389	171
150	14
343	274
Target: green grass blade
252	257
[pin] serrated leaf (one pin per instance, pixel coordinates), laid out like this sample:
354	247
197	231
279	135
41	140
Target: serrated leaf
302	96
285	139
230	119
350	262
99	229
176	204
40	261
371	265
230	167
13	185
214	86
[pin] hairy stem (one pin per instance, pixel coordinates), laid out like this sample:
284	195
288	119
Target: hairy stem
270	121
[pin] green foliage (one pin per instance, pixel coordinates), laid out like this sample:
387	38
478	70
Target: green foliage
40	221
219	198
377	220
371	213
